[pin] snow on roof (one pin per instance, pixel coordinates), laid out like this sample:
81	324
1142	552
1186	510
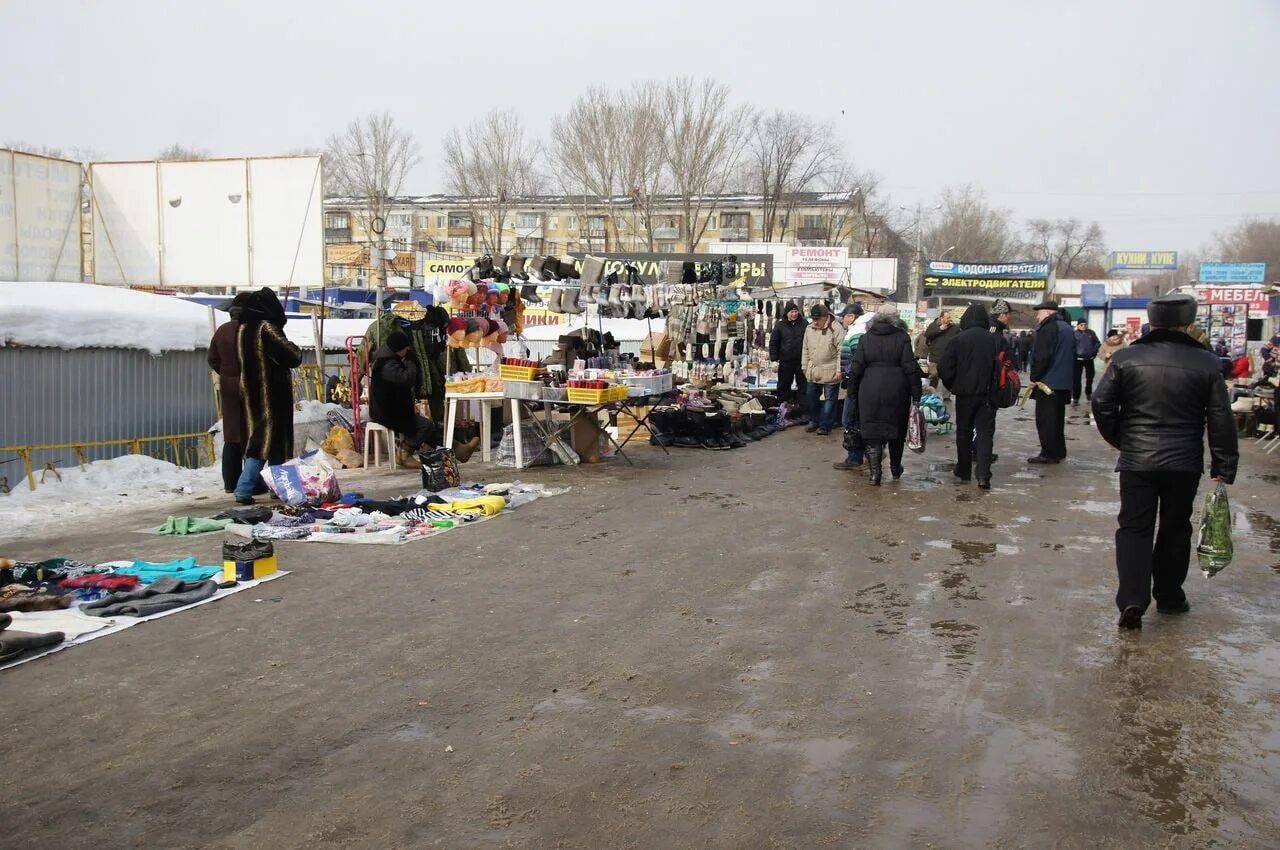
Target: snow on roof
86	315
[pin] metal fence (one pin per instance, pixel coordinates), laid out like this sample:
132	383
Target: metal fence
55	396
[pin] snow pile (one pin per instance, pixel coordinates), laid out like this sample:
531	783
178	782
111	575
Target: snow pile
335	332
86	315
137	481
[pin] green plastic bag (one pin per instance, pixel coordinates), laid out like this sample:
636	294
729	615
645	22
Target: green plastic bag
1214	548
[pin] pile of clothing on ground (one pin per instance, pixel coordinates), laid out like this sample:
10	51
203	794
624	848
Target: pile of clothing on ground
46	602
357	519
720	419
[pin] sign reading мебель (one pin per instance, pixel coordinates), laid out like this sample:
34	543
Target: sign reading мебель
1013	281
1252	297
1144	261
1233	272
816	265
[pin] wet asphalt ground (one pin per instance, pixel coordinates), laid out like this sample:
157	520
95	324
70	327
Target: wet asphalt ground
740	649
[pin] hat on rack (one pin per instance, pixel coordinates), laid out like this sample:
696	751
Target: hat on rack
1175	310
410	311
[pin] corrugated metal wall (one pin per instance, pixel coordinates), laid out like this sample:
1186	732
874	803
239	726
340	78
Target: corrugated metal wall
54	396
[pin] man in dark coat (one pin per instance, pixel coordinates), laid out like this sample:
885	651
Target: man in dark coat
937	336
224	360
392	380
886	382
1153	404
1051	359
1025	340
786	348
967	368
267	359
1087	346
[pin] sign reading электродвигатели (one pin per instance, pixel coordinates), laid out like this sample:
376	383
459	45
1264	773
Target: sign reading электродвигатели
1015	281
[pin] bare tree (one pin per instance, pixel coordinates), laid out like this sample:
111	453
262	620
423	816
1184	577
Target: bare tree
858	217
703	141
369	162
181	153
787	154
1255	241
39	150
1071	247
492	165
979	231
610	145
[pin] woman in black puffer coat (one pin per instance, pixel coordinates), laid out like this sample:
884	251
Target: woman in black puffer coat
886	381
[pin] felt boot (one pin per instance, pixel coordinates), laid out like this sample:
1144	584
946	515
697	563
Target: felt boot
555	302
571	303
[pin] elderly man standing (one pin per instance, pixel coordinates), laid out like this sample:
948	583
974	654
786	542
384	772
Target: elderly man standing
1052	356
1153	404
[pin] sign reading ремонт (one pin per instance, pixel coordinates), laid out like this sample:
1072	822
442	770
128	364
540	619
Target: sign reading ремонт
1143	261
1233	272
1021	280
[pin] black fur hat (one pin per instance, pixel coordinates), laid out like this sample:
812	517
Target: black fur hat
1175	310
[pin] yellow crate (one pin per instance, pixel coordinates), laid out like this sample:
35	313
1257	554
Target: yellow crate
518	373
249	570
597	396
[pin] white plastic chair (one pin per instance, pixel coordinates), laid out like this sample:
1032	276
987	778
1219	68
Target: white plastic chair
378	433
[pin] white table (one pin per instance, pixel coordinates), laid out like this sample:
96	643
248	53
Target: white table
487	402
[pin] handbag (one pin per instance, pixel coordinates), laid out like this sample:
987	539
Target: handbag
853	441
439	470
915	430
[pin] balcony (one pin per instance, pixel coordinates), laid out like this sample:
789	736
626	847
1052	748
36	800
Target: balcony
734	234
337	234
666	233
595	233
460	231
811	234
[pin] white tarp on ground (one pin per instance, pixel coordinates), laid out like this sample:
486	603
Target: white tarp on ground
207	215
39	217
85	315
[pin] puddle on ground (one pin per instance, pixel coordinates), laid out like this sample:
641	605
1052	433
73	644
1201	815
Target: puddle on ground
1097	508
1029	476
1263	528
959	640
883	602
1022	519
971	551
978	521
1269	477
959	584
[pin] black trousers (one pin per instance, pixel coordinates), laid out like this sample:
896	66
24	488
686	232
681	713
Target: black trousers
894	449
232	464
788	372
426	434
1086	368
1159	571
1051	423
975	435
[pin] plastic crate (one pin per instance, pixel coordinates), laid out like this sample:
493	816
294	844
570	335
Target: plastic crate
518	373
530	390
617	393
643	385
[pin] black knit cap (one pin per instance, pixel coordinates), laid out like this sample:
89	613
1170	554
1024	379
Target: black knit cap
398	341
1175	310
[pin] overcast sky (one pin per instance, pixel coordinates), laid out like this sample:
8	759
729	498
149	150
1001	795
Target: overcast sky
1160	119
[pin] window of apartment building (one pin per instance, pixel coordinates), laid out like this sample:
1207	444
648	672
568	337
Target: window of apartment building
711	223
401	220
666	247
424	221
759	222
813	221
337	221
528	221
459	220
595	223
552	248
459	244
529	245
573	222
440	222
729	220
553	223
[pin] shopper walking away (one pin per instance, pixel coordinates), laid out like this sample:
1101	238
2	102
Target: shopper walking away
937	337
1087	345
266	388
786	347
392	380
967	368
1025	341
820	362
855	321
1114	343
886	381
224	360
1153	405
1051	359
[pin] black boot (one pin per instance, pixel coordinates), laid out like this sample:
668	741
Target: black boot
875	462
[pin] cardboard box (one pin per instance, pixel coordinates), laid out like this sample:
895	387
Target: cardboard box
249	570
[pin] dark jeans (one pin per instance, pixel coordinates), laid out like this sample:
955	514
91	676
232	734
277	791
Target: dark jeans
1146	571
1086	367
975	435
788	372
825	416
1051	423
851	423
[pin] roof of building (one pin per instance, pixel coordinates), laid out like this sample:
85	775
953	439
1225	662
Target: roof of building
561	200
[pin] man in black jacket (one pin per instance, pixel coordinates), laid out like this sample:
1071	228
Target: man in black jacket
786	347
1152	404
967	367
1087	345
391	383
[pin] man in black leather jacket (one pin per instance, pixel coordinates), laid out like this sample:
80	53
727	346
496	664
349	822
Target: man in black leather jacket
1152	405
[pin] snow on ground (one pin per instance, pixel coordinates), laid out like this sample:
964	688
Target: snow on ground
133	481
86	315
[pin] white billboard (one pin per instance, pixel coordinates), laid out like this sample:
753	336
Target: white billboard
218	222
39	218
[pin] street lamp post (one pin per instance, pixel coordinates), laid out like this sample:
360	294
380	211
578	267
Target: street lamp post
913	291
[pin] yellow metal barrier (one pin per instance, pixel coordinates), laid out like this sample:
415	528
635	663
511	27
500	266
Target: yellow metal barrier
169	442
